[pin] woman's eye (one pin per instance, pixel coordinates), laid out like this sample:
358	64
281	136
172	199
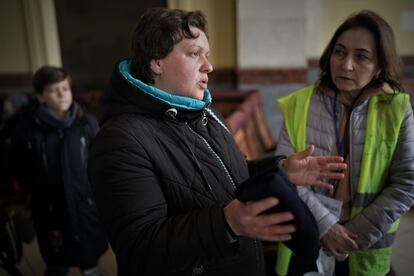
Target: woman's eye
362	57
194	54
339	52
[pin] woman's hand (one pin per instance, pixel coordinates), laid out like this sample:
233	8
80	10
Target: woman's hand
339	241
303	169
245	219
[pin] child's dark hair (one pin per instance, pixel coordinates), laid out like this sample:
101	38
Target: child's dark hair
48	75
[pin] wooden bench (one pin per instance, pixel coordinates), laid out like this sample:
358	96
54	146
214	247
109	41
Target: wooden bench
244	116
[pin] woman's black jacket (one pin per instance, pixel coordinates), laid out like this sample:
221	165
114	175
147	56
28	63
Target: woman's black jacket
162	175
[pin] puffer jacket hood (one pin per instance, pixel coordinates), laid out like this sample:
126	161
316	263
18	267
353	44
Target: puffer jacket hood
117	98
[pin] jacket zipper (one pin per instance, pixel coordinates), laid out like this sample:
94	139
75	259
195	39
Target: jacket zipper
82	149
215	155
227	173
351	184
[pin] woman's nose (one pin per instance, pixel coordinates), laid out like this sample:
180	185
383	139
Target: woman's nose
207	67
348	64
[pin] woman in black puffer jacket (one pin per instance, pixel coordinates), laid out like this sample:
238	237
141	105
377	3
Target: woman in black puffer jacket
165	168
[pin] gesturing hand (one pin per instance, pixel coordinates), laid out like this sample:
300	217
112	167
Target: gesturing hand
245	220
303	169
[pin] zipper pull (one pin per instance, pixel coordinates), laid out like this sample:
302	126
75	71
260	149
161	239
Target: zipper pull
204	119
172	113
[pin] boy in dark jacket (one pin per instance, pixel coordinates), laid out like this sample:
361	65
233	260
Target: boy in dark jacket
50	151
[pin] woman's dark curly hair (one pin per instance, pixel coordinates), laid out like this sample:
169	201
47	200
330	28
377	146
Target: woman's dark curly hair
156	34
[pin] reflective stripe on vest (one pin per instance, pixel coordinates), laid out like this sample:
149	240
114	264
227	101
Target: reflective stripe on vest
385	114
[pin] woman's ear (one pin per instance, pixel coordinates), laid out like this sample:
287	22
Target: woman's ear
156	67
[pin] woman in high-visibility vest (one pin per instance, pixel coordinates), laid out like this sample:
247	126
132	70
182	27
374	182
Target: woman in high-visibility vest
356	109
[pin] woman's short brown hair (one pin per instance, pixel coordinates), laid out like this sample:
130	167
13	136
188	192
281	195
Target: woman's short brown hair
156	34
388	60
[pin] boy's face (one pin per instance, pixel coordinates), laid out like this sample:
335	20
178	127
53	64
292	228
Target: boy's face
57	97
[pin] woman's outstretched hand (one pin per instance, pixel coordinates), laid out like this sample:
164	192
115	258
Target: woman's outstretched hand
303	169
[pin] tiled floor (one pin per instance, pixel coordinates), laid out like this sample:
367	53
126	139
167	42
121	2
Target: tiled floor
402	259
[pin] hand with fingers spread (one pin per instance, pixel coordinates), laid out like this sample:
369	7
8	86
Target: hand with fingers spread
339	241
303	169
245	219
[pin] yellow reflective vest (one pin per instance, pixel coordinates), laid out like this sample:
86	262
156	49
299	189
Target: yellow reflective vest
385	116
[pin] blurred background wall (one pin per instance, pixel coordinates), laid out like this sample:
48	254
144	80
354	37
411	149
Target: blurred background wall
270	45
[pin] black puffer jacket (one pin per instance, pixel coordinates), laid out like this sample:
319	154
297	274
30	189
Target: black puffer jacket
161	180
50	161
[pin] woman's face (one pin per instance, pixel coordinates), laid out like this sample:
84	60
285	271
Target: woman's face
57	97
184	71
354	60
